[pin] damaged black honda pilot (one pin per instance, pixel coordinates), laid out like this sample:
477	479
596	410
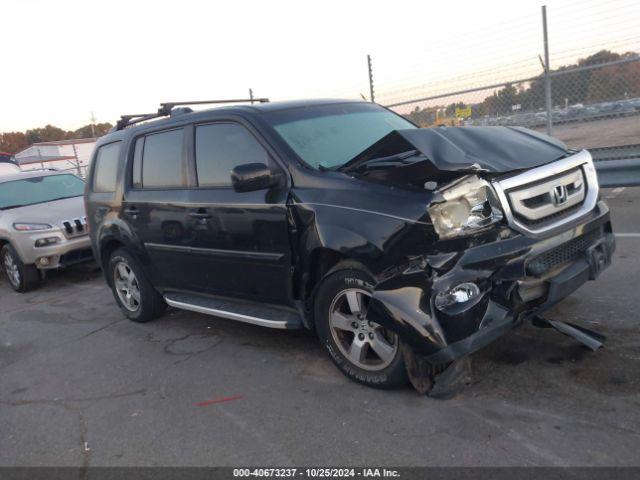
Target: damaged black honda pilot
406	249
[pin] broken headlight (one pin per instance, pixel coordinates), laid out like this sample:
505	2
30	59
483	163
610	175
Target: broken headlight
470	205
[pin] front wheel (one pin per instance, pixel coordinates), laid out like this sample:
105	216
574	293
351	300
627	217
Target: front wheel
135	295
363	350
22	277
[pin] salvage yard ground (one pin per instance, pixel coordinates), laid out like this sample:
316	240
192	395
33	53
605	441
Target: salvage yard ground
80	385
609	132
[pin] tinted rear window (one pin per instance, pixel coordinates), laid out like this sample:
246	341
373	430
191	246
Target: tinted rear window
137	163
107	165
162	162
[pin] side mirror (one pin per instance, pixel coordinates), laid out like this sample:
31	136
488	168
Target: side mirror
252	176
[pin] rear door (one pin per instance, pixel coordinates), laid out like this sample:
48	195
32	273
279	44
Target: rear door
157	209
240	240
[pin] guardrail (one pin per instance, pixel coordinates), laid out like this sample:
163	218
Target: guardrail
617	166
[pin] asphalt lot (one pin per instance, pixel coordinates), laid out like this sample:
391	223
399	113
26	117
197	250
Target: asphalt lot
606	132
80	386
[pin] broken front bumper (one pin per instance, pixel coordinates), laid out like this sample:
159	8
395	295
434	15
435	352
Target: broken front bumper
517	278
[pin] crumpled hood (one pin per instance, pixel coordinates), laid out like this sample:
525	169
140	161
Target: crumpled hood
458	149
495	149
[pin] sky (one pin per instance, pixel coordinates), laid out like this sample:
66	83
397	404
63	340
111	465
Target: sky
64	59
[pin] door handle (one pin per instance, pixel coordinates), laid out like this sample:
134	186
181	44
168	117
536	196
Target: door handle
132	211
199	215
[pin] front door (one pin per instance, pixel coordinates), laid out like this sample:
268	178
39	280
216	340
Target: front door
240	244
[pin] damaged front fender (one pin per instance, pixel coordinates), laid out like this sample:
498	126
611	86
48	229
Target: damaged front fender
490	287
404	304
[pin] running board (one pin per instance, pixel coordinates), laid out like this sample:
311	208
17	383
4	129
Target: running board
256	314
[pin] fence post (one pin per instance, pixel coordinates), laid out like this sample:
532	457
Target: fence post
373	98
547	72
75	154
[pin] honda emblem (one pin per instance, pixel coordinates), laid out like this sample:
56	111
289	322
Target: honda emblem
559	194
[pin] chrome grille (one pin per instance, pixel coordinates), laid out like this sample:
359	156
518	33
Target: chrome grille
538	201
75	227
544	198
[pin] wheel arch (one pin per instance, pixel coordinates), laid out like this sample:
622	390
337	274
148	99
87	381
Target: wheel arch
6	241
323	262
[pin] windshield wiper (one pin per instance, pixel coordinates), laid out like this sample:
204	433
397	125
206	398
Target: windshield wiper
60	198
379	162
9	207
18	205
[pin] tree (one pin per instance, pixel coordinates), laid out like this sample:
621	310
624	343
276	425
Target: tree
13	142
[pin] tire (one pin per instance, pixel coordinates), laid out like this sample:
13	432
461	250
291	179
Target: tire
133	292
21	277
351	341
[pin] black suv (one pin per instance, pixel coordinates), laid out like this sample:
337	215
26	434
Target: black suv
406	249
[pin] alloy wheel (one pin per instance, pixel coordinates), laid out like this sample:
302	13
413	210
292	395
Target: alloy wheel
364	343
11	269
127	286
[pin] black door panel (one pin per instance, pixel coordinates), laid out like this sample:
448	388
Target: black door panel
161	223
242	249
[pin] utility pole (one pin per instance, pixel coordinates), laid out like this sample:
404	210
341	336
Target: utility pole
547	71
75	154
93	125
371	94
251	95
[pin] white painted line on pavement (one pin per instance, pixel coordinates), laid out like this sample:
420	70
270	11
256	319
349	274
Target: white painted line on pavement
615	192
630	235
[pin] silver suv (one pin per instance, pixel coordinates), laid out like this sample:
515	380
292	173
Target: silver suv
42	225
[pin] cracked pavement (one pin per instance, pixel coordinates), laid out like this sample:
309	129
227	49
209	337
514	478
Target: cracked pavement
82	386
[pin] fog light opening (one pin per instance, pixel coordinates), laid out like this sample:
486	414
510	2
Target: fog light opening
44	261
459	294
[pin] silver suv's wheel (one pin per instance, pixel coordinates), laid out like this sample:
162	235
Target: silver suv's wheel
366	344
127	287
22	278
11	269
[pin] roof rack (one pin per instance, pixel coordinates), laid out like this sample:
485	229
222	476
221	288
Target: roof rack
166	107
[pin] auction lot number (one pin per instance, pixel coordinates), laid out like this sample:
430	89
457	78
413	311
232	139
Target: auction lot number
315	472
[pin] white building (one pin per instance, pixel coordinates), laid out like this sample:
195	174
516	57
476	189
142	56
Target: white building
69	155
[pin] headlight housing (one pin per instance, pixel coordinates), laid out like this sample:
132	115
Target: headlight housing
31	227
470	205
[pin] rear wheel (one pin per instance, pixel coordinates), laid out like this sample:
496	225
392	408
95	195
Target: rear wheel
135	295
21	277
363	350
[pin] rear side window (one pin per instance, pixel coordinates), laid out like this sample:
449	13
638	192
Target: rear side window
106	169
222	146
162	161
137	163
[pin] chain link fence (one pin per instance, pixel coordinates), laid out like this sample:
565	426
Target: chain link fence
595	105
590	98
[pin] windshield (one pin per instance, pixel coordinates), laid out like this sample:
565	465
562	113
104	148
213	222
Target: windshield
330	135
29	191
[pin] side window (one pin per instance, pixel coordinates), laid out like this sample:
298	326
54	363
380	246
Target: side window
221	147
162	163
137	163
106	169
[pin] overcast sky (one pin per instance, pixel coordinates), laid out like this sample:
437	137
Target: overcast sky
63	59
